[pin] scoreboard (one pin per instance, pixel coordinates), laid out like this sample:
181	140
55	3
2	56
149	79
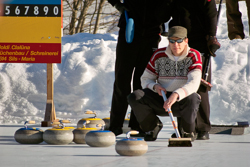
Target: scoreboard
30	31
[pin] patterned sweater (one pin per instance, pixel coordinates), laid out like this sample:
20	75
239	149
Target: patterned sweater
182	76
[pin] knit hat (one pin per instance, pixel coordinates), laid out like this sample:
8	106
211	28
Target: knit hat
177	31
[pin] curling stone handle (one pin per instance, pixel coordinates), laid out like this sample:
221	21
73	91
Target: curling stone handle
100	125
28	122
55	123
85	123
132	132
64	121
90	112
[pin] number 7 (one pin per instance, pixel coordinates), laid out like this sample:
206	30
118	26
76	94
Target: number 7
27	9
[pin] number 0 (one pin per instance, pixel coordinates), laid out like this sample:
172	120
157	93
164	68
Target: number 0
55	10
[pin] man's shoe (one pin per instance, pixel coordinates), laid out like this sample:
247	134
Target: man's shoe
191	135
237	37
117	131
232	37
152	135
181	131
203	136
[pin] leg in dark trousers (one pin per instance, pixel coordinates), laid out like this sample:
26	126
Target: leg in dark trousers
145	54
123	74
130	58
203	124
234	22
148	104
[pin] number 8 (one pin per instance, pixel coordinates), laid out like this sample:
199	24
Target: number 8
36	10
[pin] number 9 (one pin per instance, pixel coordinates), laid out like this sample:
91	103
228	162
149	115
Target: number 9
46	10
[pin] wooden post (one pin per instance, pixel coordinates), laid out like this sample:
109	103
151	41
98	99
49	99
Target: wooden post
50	114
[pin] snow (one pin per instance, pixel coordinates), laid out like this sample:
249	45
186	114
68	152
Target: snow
84	79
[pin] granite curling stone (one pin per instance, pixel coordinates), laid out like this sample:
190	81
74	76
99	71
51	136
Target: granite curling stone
131	146
93	121
100	138
80	133
29	135
58	135
107	122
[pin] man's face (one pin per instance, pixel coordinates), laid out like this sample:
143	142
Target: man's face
177	45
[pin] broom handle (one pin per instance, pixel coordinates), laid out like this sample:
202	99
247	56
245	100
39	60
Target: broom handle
171	116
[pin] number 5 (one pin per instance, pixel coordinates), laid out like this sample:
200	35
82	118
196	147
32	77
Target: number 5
7	10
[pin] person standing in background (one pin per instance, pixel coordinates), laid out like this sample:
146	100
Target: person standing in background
234	22
132	58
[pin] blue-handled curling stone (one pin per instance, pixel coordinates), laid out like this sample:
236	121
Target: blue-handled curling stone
131	146
29	135
100	138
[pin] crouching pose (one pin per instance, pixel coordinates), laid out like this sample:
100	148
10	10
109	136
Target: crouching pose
176	70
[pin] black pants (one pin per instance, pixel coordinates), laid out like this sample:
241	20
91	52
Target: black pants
131	61
234	22
147	104
202	122
203	115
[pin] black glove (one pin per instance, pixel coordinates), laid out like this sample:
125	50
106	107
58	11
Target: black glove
121	7
213	45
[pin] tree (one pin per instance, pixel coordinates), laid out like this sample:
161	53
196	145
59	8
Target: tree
88	16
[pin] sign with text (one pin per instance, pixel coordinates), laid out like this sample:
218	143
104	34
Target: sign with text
30	31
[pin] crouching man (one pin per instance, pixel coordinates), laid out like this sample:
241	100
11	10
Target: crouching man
176	70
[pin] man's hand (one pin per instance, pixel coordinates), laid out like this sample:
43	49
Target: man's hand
158	89
170	101
213	45
121	7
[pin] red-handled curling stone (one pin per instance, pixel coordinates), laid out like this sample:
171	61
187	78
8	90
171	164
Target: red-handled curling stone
131	146
29	135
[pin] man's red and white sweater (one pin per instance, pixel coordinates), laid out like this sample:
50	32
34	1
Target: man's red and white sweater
182	76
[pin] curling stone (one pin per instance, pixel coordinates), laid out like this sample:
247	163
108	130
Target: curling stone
107	122
93	121
100	138
80	133
29	135
58	135
131	146
66	127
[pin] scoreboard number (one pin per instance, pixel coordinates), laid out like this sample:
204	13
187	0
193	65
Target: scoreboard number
33	10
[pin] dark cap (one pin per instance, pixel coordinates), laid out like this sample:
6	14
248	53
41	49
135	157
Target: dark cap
177	31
